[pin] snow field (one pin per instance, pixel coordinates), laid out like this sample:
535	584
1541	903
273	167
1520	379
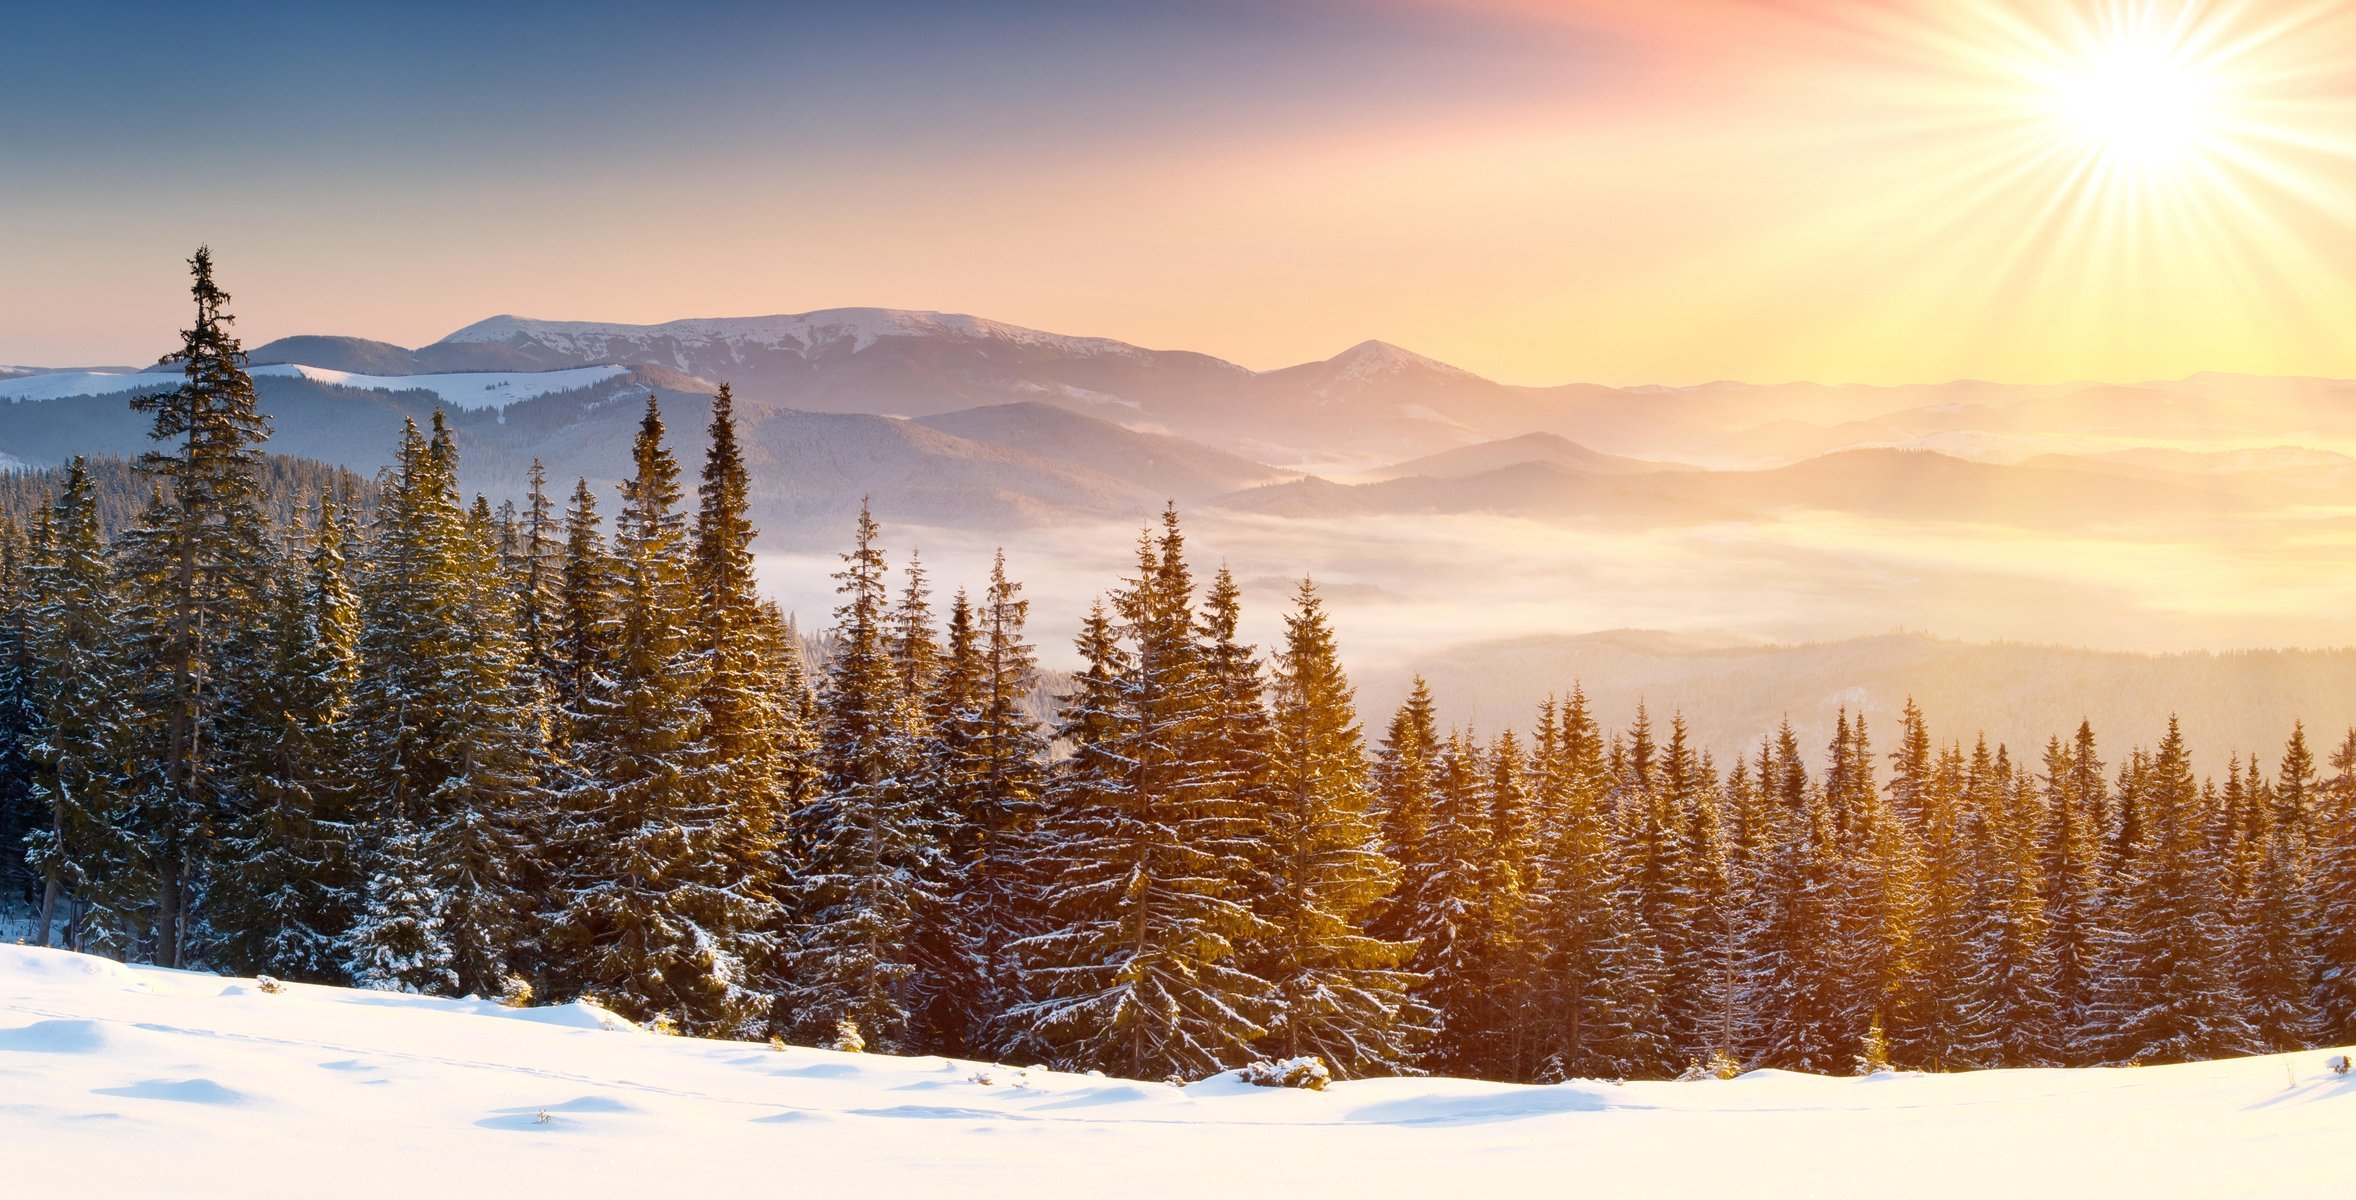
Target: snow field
462	389
126	1081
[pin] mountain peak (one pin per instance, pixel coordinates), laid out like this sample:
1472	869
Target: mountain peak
1370	359
802	334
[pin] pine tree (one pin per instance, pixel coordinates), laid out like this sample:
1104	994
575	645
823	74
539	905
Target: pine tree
290	888
489	809
398	944
197	564
1002	763
1469	940
2076	801
869	864
1144	870
20	813
2015	1016
2334	889
537	575
1403	792
1341	993
586	614
1598	972
2273	949
1804	992
97	872
649	920
2170	995
749	728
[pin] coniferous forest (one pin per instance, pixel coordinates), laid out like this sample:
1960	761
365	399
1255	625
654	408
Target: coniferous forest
268	719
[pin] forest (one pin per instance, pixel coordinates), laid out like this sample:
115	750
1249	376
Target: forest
262	717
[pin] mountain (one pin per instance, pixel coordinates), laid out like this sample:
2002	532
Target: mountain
1373	402
362	356
1156	462
1904	485
1538	490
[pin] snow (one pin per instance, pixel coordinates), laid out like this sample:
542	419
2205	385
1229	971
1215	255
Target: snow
137	1081
55	385
464	389
1374	360
807	334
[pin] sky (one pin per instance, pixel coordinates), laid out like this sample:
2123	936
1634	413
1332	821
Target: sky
1615	191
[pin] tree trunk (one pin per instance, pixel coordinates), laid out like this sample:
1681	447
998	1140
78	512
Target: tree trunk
167	913
50	892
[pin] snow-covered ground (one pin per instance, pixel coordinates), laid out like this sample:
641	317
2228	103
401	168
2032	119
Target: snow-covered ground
460	389
119	1081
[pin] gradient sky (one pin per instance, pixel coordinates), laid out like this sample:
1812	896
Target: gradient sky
1620	191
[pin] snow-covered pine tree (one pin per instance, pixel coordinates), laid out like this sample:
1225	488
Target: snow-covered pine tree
2069	861
649	920
1341	993
2333	884
1140	861
1403	773
2013	1015
1721	926
1469	941
536	572
489	809
97	871
197	565
953	955
870	857
1658	797
20	815
1597	974
1929	1018
397	944
288	887
586	617
1003	763
749	726
2170	994
1801	966
914	645
2273	947
1237	727
1879	870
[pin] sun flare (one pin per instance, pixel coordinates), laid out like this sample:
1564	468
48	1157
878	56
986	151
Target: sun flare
2143	106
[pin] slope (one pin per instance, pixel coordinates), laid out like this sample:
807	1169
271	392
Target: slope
131	1081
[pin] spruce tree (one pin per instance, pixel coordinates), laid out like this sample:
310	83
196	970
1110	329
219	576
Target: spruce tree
649	920
866	888
749	728
289	882
1598	973
2169	989
1340	993
1144	870
98	871
197	563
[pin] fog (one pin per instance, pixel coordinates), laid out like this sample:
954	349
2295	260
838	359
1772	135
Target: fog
1404	589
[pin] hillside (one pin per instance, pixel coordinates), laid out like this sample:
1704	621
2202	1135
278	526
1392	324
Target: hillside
137	1081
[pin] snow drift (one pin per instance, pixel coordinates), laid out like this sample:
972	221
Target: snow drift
120	1080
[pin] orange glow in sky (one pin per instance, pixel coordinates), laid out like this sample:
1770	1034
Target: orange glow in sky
1840	190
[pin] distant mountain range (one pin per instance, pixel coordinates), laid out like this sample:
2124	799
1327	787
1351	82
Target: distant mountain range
955	420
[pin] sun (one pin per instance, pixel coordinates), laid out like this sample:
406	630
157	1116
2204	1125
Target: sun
2142	106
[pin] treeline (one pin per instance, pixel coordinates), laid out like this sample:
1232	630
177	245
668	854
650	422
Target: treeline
442	747
290	489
